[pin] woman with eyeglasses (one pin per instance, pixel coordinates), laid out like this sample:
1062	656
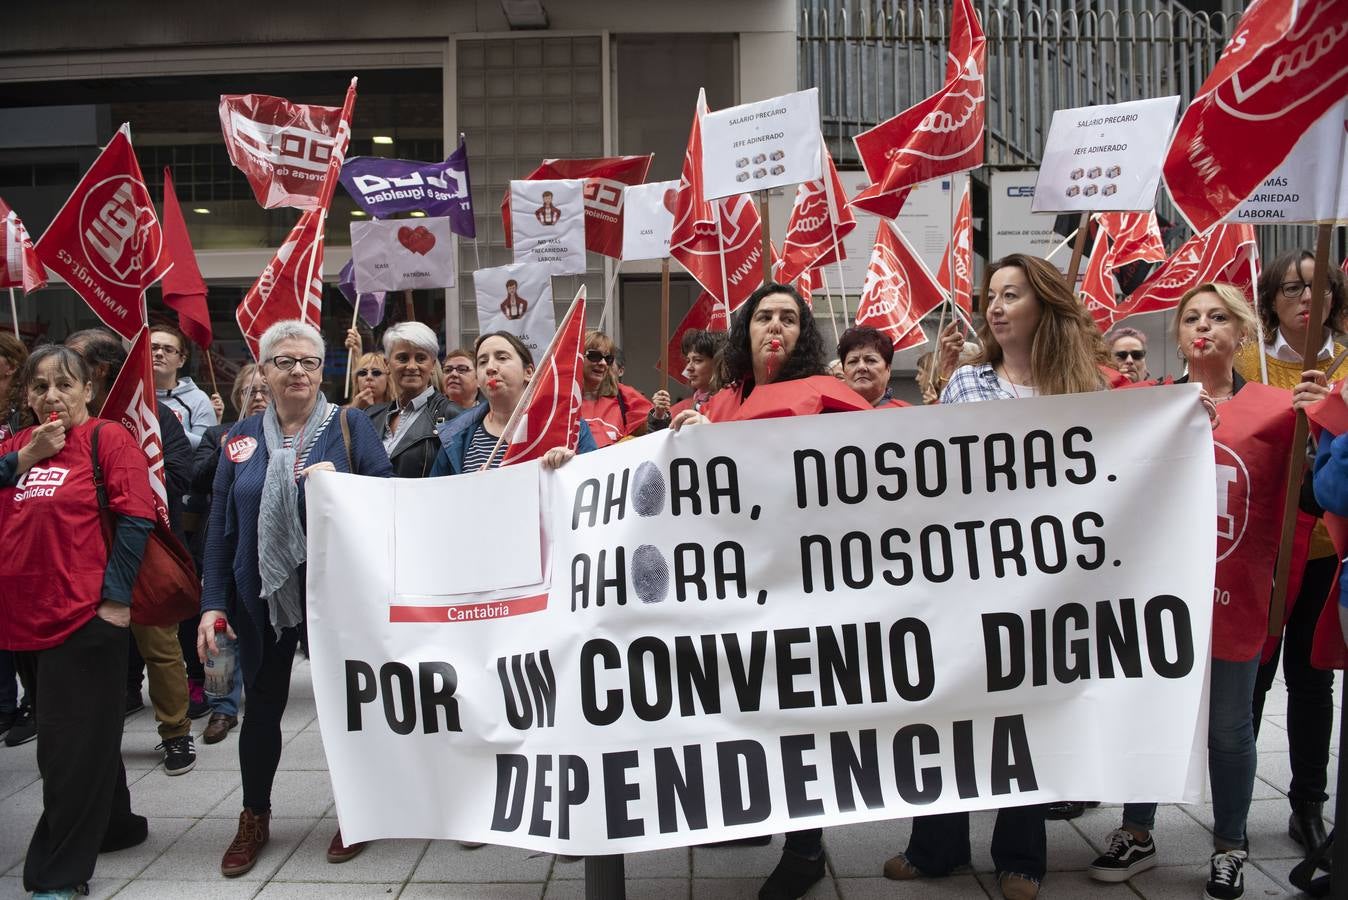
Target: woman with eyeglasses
1284	308
408	423
1128	348
612	409
194	408
371	385
255	551
461	378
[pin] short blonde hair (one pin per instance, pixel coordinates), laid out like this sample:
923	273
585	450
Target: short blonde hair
1232	297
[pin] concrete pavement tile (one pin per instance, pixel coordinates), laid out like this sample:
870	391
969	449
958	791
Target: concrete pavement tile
472	892
288	890
731	862
644	889
1067	848
860	851
22	758
133	860
1183	883
961	886
191	795
1266	829
1180	840
294	795
304	752
382	861
219	889
300	710
99	888
747	889
14	780
198	851
676	863
447	861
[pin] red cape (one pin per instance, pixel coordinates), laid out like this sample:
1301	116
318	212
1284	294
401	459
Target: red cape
798	397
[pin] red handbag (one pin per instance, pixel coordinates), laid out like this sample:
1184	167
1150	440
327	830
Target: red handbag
167	589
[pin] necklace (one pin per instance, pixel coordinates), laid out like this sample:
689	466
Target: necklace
1006	376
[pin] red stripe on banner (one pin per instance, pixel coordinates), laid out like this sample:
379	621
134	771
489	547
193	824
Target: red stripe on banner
469	612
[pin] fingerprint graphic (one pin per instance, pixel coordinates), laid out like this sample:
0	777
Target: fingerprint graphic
648	490
650	573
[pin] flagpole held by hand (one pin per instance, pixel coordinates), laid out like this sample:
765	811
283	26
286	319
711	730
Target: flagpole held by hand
351	353
14	312
1296	465
664	324
1258	320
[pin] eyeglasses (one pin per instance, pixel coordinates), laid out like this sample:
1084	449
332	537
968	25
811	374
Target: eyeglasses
174	351
461	369
1138	355
1294	289
257	392
373	373
307	363
595	356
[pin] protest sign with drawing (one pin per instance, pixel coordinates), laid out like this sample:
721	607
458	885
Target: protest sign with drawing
547	221
403	254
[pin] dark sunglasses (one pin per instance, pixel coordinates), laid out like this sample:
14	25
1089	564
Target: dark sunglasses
596	356
361	373
1138	355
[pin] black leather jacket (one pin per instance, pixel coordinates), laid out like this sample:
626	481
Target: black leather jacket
416	452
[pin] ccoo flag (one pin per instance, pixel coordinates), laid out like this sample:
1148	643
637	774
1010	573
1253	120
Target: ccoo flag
1223	254
19	265
283	148
899	290
606	179
551	402
956	274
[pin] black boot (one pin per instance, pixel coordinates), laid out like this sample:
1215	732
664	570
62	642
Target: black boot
1306	825
793	877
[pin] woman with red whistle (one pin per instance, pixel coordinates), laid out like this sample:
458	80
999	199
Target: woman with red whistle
612	409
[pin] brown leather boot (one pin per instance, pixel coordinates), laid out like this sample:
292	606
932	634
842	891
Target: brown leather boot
339	852
253	834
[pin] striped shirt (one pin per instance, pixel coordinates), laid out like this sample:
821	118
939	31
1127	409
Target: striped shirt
479	450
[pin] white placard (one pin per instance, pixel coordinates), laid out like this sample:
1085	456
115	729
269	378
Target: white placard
924	220
767	144
547	222
1311	186
793	608
517	299
1105	157
648	219
1014	227
399	254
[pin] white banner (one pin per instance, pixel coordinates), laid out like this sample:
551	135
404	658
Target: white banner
1105	157
1311	186
547	222
648	219
517	299
925	221
761	145
1014	227
761	626
397	254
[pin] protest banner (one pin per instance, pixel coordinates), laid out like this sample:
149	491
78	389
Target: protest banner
762	145
648	219
383	187
753	627
283	148
1311	185
403	254
547	222
517	299
1105	157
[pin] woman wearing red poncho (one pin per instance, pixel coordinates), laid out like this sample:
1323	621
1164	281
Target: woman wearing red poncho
65	606
612	409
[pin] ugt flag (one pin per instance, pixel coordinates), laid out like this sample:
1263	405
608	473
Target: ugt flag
1284	67
551	402
1137	237
283	148
383	187
19	265
131	402
605	177
899	290
106	242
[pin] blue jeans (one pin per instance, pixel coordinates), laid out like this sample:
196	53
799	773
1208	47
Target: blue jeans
1231	755
228	704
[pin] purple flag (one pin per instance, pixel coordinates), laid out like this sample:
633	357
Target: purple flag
383	187
369	307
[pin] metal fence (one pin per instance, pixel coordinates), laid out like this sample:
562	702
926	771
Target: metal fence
871	59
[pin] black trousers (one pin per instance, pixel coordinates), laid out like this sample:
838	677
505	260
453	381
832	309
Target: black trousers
939	844
260	735
1310	691
79	752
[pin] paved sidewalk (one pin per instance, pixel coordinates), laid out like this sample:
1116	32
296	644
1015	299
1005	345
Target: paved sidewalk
192	819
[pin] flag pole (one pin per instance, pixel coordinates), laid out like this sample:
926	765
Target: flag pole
1078	249
351	354
765	230
1296	465
720	246
210	367
1258	321
1058	249
832	315
664	324
14	312
409	305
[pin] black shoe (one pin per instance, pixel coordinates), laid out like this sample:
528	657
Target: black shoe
23	730
6	720
793	877
124	834
180	755
134	702
1226	879
1306	825
196	709
1123	858
1066	809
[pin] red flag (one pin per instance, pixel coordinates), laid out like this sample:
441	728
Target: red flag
707	314
820	219
291	286
605	177
899	290
805	283
939	136
1285	65
718	242
1137	237
552	402
1223	254
131	401
105	242
283	148
19	265
960	252
184	288
1098	288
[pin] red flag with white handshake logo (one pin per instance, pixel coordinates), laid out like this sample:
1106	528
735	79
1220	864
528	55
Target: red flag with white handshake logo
939	136
719	242
1098	288
605	178
820	219
551	403
899	290
131	402
283	148
19	265
1284	67
1222	254
291	286
956	275
1137	237
106	242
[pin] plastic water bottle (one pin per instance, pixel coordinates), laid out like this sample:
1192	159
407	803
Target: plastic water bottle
220	668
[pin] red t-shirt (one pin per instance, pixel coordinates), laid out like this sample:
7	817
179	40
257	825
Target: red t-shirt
51	573
605	418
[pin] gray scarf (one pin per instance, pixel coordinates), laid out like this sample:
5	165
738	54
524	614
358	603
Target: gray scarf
280	535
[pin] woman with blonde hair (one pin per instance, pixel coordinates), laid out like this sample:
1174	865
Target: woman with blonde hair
612	409
371	387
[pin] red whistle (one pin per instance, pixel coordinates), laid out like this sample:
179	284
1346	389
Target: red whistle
53	417
775	344
492	382
1200	343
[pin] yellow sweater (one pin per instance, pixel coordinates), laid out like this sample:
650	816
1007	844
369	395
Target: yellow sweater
1287	375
